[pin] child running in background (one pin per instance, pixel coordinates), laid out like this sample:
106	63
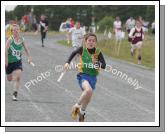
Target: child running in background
91	61
77	35
43	28
118	34
13	60
137	35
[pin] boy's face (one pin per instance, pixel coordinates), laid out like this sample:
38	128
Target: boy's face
78	25
91	42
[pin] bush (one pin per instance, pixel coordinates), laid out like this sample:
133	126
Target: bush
106	23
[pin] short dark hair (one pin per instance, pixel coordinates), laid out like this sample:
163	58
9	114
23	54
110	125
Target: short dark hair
90	34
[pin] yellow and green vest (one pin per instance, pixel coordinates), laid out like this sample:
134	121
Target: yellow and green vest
88	62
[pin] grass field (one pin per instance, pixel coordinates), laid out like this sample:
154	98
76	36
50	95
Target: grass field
107	47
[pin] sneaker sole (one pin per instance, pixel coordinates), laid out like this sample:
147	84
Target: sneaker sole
14	99
74	113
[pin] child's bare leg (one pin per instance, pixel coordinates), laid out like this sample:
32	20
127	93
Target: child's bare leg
139	55
86	95
119	45
16	83
9	77
17	79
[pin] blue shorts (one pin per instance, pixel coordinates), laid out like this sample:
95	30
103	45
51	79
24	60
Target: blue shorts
91	79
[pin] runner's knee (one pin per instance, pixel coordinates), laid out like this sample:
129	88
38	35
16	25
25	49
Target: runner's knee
139	57
89	92
18	78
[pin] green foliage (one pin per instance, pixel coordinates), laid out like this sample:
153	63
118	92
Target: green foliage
108	48
83	13
9	16
105	23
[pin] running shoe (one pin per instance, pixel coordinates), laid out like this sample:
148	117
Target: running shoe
14	97
81	117
75	111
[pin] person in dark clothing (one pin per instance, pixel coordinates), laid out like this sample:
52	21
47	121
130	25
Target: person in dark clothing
43	28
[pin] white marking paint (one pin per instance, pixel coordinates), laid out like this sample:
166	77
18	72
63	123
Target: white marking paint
127	100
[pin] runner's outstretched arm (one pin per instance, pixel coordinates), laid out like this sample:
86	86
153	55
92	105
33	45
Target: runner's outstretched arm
27	52
77	51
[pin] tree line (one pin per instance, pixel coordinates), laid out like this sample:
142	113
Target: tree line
83	13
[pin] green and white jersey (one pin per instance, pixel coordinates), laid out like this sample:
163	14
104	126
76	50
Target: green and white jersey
15	50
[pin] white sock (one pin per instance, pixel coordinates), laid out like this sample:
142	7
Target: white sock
77	105
131	50
82	111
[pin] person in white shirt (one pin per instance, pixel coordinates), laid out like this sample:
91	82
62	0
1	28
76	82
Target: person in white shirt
63	27
153	27
77	35
118	34
130	23
117	28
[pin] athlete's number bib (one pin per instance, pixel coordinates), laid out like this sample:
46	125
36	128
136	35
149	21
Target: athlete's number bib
16	53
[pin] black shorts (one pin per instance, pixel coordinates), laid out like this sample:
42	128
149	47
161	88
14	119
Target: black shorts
14	66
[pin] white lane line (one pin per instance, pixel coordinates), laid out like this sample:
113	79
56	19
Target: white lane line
127	63
76	98
39	109
127	100
146	89
110	76
100	115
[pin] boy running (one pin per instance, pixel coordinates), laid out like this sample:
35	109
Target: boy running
118	34
43	28
117	28
77	35
91	61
